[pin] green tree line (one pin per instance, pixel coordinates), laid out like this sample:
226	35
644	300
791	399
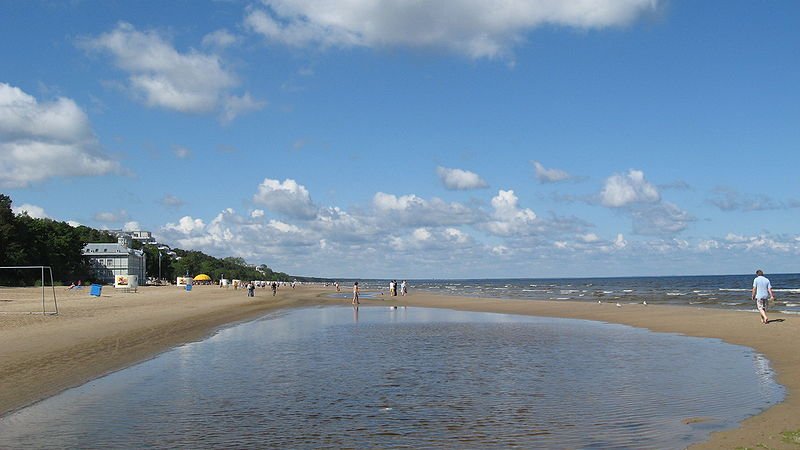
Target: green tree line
28	241
193	262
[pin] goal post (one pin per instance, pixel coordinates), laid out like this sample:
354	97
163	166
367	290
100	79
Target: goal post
18	300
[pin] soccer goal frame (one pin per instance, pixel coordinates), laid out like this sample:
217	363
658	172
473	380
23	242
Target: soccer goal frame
49	269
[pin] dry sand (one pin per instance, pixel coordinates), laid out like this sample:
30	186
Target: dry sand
43	355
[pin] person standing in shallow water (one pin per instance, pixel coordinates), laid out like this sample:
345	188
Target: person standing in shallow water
762	289
355	293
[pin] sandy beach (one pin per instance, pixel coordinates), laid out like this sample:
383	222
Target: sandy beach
43	355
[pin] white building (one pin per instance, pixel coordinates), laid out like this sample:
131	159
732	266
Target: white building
108	260
145	237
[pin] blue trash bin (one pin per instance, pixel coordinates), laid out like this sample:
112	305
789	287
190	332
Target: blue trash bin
96	289
188	287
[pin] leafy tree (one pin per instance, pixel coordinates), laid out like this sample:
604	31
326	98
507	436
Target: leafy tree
28	241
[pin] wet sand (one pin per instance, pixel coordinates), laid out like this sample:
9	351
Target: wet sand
43	355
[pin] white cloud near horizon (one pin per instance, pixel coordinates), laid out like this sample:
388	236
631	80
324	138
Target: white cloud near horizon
459	179
374	242
186	225
729	199
476	29
633	194
112	217
545	175
36	212
43	140
411	210
161	76
131	226
662	218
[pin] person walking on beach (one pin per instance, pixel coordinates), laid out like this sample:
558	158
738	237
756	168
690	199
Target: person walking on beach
355	293
251	289
404	288
762	289
274	288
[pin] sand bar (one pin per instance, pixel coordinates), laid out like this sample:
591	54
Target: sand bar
91	336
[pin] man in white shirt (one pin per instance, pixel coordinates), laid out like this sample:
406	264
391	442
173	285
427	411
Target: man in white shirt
761	290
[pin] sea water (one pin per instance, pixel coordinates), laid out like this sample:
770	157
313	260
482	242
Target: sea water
715	291
376	377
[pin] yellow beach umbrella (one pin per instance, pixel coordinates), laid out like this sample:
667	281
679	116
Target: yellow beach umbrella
202	277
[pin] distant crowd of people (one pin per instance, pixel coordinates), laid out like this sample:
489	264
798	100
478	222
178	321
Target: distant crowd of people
252	285
395	289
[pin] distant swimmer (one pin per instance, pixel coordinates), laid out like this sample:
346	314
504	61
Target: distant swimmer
762	289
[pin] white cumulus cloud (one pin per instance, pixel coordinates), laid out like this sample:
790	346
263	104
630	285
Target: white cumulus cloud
458	179
186	225
161	76
477	29
131	226
389	202
622	190
286	197
509	218
43	140
36	212
411	210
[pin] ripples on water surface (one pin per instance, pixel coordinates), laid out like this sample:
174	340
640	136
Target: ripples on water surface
381	378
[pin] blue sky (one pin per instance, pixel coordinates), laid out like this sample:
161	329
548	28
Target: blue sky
453	139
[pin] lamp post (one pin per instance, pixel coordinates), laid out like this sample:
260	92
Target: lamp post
159	267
